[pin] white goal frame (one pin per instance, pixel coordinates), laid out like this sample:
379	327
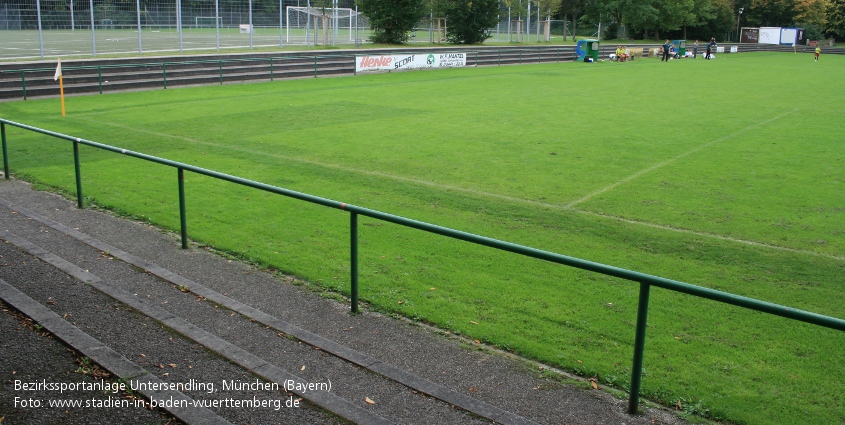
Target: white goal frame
333	13
197	21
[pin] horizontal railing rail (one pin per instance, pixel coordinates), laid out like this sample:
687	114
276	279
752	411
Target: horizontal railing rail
646	281
521	55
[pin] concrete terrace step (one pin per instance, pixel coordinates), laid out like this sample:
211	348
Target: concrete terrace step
186	285
490	384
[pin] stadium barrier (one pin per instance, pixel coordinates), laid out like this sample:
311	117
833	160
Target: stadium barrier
20	81
646	281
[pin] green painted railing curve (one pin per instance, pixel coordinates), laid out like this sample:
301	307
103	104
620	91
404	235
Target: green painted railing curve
646	281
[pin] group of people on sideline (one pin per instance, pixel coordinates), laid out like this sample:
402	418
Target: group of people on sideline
668	50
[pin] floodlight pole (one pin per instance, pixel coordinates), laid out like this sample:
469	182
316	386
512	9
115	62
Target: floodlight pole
308	24
179	22
93	31
72	26
138	14
217	21
738	16
40	34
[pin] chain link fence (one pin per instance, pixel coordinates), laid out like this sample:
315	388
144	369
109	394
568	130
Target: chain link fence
52	28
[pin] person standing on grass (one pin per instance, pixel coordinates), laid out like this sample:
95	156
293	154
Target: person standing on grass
695	49
818	51
710	46
666	46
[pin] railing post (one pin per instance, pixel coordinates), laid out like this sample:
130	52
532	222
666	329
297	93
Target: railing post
353	259
315	67
78	174
23	83
639	349
271	69
164	74
182	216
5	152
100	78
221	72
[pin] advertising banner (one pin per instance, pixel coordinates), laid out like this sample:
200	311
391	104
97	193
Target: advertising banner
770	35
789	36
750	35
409	61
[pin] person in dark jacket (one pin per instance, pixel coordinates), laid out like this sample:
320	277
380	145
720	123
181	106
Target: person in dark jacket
666	47
710	46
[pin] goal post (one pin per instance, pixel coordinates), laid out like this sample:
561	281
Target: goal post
208	22
306	24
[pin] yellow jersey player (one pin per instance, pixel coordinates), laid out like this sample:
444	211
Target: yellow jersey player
818	51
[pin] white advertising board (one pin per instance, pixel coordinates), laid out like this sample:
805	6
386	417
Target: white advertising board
789	36
769	35
409	61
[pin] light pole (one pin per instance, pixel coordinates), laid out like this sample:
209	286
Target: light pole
738	35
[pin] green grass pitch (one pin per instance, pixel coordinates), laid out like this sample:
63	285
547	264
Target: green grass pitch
728	174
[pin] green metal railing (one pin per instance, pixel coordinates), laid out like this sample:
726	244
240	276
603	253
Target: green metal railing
646	281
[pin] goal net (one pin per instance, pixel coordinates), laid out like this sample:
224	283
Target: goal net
208	22
324	25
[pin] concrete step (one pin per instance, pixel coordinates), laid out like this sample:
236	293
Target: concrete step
233	343
424	362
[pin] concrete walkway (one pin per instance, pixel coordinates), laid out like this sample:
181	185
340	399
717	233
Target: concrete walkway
125	295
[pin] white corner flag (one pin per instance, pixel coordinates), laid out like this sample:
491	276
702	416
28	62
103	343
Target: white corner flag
58	76
58	71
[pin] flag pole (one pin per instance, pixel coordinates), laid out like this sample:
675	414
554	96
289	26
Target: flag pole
62	93
58	76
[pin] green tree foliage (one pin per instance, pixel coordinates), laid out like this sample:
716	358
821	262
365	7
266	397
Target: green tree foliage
392	20
771	13
470	21
572	10
836	20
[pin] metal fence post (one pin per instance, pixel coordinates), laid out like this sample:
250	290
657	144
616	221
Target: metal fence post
23	83
639	349
221	72
353	259
183	219
315	67
78	174
100	78
164	74
5	152
271	69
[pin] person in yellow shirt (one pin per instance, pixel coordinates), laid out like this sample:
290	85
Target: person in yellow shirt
818	51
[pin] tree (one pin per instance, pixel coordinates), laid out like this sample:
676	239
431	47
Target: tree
392	20
573	9
771	13
836	20
470	21
546	8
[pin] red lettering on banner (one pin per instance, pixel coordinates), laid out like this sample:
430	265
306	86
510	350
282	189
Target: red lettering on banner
375	62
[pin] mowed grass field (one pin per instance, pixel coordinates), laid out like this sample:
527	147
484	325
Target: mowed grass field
728	174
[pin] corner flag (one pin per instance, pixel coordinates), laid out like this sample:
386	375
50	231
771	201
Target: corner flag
58	76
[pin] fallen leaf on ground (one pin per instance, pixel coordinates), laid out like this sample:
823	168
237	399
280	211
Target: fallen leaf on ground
369	401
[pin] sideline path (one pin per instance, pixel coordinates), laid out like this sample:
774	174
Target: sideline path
192	316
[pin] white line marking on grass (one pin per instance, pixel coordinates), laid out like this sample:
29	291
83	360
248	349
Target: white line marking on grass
488	194
669	161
